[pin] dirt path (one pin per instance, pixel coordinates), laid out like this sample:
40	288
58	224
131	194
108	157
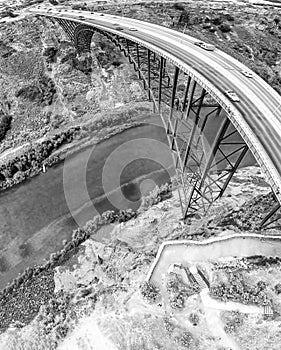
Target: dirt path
228	306
217	328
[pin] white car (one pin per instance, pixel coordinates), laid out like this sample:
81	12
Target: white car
208	47
133	29
247	73
232	95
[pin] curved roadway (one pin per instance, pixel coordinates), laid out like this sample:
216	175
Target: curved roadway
258	114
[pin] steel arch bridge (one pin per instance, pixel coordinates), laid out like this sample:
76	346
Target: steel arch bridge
187	87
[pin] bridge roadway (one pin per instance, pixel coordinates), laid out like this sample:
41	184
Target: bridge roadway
258	114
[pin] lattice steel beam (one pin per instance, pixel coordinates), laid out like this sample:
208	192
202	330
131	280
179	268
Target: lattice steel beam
271	217
208	188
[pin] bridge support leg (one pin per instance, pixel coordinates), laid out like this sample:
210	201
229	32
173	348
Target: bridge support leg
160	82
223	158
266	221
172	102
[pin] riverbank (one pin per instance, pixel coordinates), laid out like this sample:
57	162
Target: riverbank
106	270
28	237
86	135
137	240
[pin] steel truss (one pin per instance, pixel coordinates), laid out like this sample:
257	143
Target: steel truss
273	218
204	167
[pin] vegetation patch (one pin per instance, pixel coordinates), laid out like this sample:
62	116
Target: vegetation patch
237	289
179	290
31	162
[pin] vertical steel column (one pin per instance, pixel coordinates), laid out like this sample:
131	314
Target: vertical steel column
175	82
186	93
189	105
160	82
190	139
195	124
148	72
201	99
128	47
138	60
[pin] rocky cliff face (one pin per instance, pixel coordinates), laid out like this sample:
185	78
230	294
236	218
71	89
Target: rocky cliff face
49	88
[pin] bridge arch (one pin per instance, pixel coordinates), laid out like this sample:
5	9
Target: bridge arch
184	110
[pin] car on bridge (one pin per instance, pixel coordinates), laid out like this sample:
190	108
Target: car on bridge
247	73
208	47
117	26
232	95
133	29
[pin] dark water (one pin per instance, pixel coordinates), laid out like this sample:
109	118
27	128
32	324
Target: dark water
37	215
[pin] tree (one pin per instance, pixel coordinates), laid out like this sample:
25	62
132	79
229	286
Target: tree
178	6
217	21
194	319
277	288
149	292
225	28
184	17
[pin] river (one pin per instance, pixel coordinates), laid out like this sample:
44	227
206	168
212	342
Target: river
35	216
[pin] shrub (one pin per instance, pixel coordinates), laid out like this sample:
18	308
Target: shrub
277	288
157	195
186	339
178	6
194	319
169	326
177	301
237	289
234	320
225	28
5	123
217	21
108	216
229	17
149	292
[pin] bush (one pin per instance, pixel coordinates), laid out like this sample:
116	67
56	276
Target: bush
149	292
5	124
225	28
277	288
193	319
234	321
229	18
217	21
43	92
186	340
177	301
157	195
178	6
237	289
